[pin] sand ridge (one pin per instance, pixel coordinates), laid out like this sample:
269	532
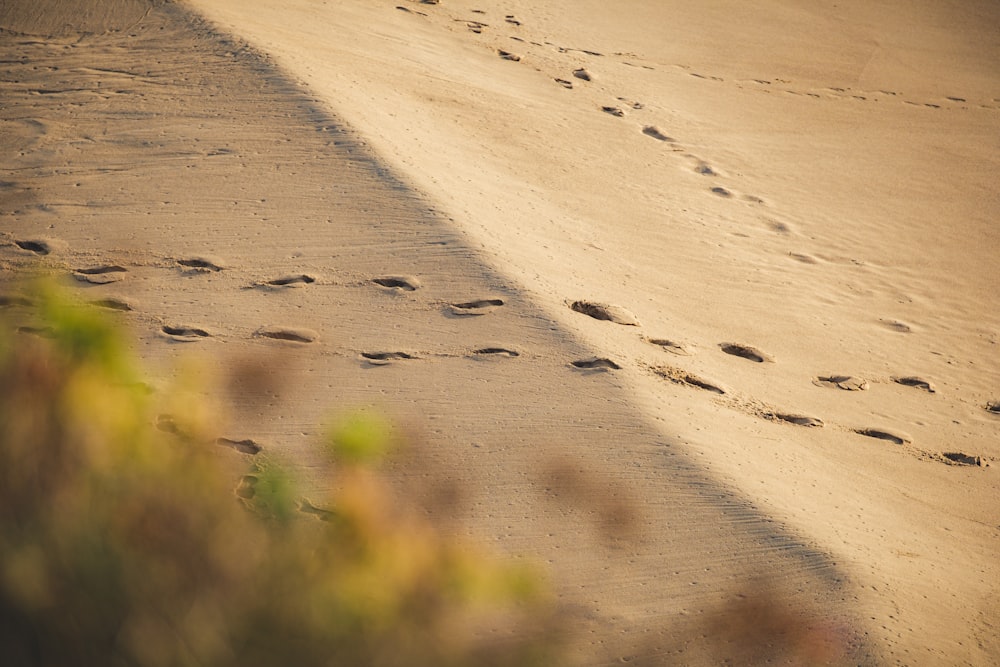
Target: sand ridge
813	183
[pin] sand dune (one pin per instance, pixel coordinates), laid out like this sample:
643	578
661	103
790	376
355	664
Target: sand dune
721	279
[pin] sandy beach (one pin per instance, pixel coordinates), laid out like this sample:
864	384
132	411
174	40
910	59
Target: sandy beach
683	304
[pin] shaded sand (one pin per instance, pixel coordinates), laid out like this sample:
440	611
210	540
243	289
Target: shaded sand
660	458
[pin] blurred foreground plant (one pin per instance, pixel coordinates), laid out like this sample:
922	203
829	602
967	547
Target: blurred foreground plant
122	543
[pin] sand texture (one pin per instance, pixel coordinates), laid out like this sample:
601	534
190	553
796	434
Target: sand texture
680	302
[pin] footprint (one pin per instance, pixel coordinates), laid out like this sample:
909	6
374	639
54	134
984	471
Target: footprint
507	55
614	111
101	275
294	280
797	419
307	507
606	312
510	19
497	351
167	424
384	358
845	382
185	334
679	376
400	283
894	437
112	304
409	11
564	83
963	459
582	74
243	446
705	170
746	352
596	364
42	332
897	326
202	263
651	131
722	192
294	335
246	487
10	300
778	227
37	246
803	257
669	346
993	407
474	308
917	382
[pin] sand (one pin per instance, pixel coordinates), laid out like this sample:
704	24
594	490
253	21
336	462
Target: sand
681	301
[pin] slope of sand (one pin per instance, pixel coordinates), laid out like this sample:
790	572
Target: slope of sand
816	183
813	188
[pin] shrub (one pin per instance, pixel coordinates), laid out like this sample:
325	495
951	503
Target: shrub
124	544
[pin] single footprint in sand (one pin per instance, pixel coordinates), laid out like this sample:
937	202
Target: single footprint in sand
507	55
398	283
292	280
474	308
595	364
745	352
651	131
897	326
307	507
101	275
384	358
721	192
670	346
167	424
895	437
410	11
916	382
614	111
185	334
845	382
564	83
11	300
292	334
797	419
605	312
112	303
246	487
242	446
962	458
993	407
803	258
497	352
37	246
678	376
206	263
583	74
